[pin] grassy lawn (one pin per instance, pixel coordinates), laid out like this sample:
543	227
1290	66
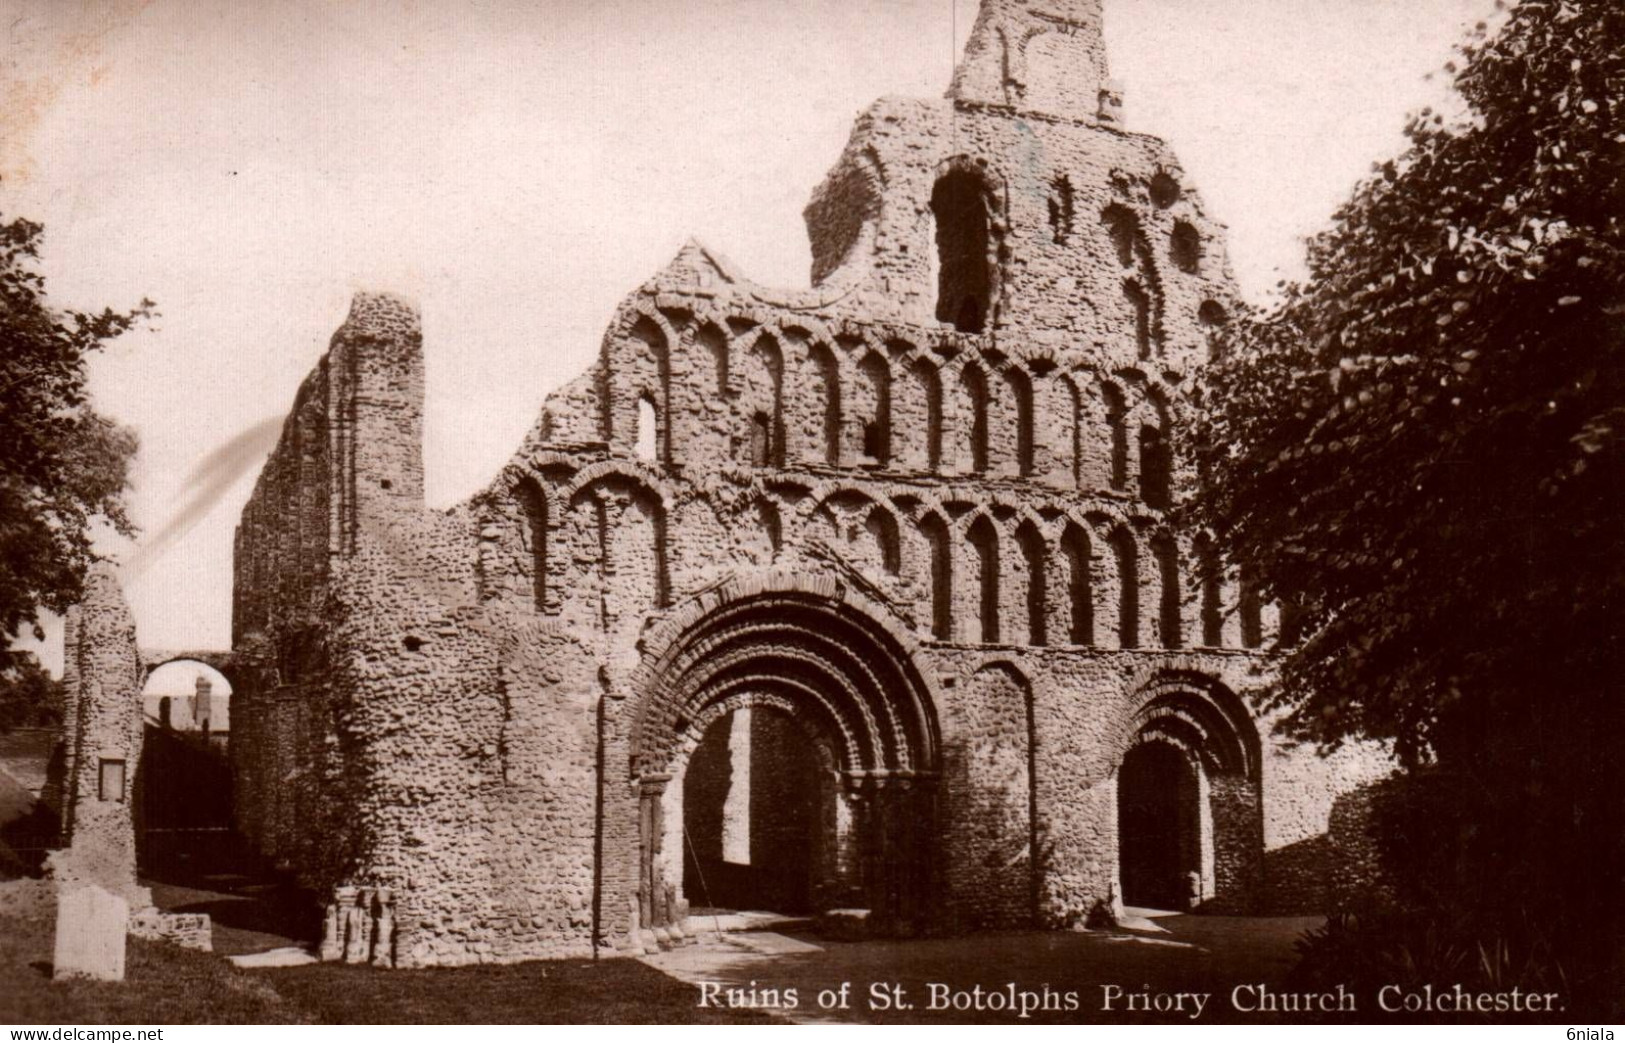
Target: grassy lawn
165	984
560	991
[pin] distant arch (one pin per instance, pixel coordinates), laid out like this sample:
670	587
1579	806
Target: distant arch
175	683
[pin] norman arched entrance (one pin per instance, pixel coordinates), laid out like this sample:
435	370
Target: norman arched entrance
786	753
1189	811
1158	827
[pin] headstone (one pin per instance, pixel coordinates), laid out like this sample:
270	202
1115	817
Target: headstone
90	926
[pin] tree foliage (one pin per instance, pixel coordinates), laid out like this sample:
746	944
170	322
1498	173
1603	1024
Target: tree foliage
1420	450
1420	447
29	697
64	468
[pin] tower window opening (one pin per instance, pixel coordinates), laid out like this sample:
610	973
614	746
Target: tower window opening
1061	209
1185	247
964	271
1140	301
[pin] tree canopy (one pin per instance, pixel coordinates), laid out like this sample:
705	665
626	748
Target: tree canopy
1419	448
64	468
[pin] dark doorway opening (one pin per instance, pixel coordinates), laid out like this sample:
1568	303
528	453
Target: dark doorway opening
1159	828
750	815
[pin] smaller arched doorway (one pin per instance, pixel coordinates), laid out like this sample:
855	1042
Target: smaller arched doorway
1189	801
1159	832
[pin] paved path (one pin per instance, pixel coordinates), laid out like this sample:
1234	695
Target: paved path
1197	954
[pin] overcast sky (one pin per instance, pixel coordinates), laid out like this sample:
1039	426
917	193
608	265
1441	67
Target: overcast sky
518	167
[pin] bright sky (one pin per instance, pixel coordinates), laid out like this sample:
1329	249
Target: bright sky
519	165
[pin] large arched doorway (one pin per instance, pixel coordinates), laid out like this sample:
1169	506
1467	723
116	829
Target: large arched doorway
786	750
1158	828
1189	802
758	806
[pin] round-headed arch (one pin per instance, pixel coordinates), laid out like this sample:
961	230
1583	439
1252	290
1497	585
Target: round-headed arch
1201	716
848	673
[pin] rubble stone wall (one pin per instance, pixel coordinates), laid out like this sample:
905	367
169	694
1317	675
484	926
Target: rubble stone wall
922	508
102	742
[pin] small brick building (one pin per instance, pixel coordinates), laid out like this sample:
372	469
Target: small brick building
858	596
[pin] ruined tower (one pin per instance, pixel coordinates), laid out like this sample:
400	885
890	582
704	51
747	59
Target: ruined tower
864	595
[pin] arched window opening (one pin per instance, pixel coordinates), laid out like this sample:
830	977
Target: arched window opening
761	394
975	398
1212	580
1140	302
1073	403
1061	209
883	530
935	532
1032	552
534	507
984	544
716	345
761	440
1155	466
1117	421
1128	589
1251	610
1080	595
1168	621
1021	391
647	445
877	426
925	375
1122	228
1185	247
830	372
1165	191
767	516
964	269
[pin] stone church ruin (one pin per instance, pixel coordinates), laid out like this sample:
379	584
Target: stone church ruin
863	596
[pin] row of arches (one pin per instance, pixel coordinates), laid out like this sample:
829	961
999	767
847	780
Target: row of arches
972	575
1098	584
775	397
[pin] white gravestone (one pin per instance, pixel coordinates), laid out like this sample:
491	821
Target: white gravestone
90	928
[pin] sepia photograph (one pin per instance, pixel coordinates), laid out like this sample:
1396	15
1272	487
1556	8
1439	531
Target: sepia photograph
842	512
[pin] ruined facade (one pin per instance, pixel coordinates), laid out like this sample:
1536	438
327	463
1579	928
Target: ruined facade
859	596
